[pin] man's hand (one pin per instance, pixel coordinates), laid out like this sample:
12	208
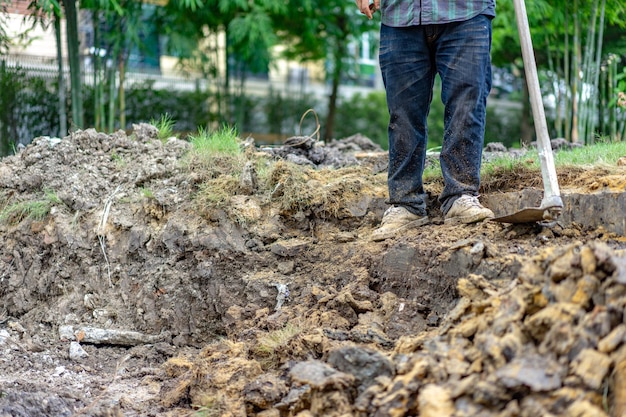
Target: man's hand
368	8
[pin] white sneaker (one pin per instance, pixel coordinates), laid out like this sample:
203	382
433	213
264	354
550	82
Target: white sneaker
395	220
467	209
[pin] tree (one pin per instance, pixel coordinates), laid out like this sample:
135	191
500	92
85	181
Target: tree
5	39
571	50
322	30
223	39
41	13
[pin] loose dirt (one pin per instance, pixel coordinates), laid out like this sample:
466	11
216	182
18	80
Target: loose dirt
127	289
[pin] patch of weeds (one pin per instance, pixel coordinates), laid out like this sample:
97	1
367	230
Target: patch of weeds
147	193
273	345
215	154
289	186
602	153
216	192
222	141
327	191
36	210
15	213
118	159
165	126
210	407
52	196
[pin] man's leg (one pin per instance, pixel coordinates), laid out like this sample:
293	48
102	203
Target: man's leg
408	75
464	64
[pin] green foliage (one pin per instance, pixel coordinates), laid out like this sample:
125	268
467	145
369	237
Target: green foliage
35	210
147	193
222	141
165	126
601	153
251	38
365	114
27	108
189	109
283	113
503	125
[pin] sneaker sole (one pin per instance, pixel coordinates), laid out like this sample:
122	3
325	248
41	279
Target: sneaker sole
468	219
391	233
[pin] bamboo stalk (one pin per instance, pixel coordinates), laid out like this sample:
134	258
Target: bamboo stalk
585	103
598	63
568	99
575	75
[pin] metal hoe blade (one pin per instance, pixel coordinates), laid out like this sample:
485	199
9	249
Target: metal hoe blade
551	204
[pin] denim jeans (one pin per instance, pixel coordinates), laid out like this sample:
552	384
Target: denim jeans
410	57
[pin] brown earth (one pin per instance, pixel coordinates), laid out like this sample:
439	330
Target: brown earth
138	293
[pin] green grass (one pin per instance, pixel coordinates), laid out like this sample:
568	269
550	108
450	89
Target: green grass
599	154
35	210
215	153
165	126
603	154
15	213
147	193
222	141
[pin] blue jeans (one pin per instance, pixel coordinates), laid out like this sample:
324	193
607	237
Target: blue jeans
410	57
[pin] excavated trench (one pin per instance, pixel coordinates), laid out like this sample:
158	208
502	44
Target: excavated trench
272	310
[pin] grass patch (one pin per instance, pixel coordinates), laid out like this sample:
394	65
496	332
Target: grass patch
36	210
215	192
165	126
147	193
222	141
275	344
604	153
211	406
514	171
215	154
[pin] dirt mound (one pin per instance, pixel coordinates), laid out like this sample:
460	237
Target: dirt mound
130	286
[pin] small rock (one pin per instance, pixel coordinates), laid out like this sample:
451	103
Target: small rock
435	401
362	363
288	248
264	391
320	376
583	408
612	341
539	373
66	332
248	181
4	336
591	366
77	352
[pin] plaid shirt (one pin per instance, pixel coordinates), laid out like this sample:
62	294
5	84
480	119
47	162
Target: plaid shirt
399	13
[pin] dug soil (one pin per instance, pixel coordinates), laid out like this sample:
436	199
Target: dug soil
128	289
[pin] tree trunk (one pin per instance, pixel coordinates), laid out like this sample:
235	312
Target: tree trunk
121	94
97	88
340	52
575	75
61	78
73	50
111	78
567	123
598	68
